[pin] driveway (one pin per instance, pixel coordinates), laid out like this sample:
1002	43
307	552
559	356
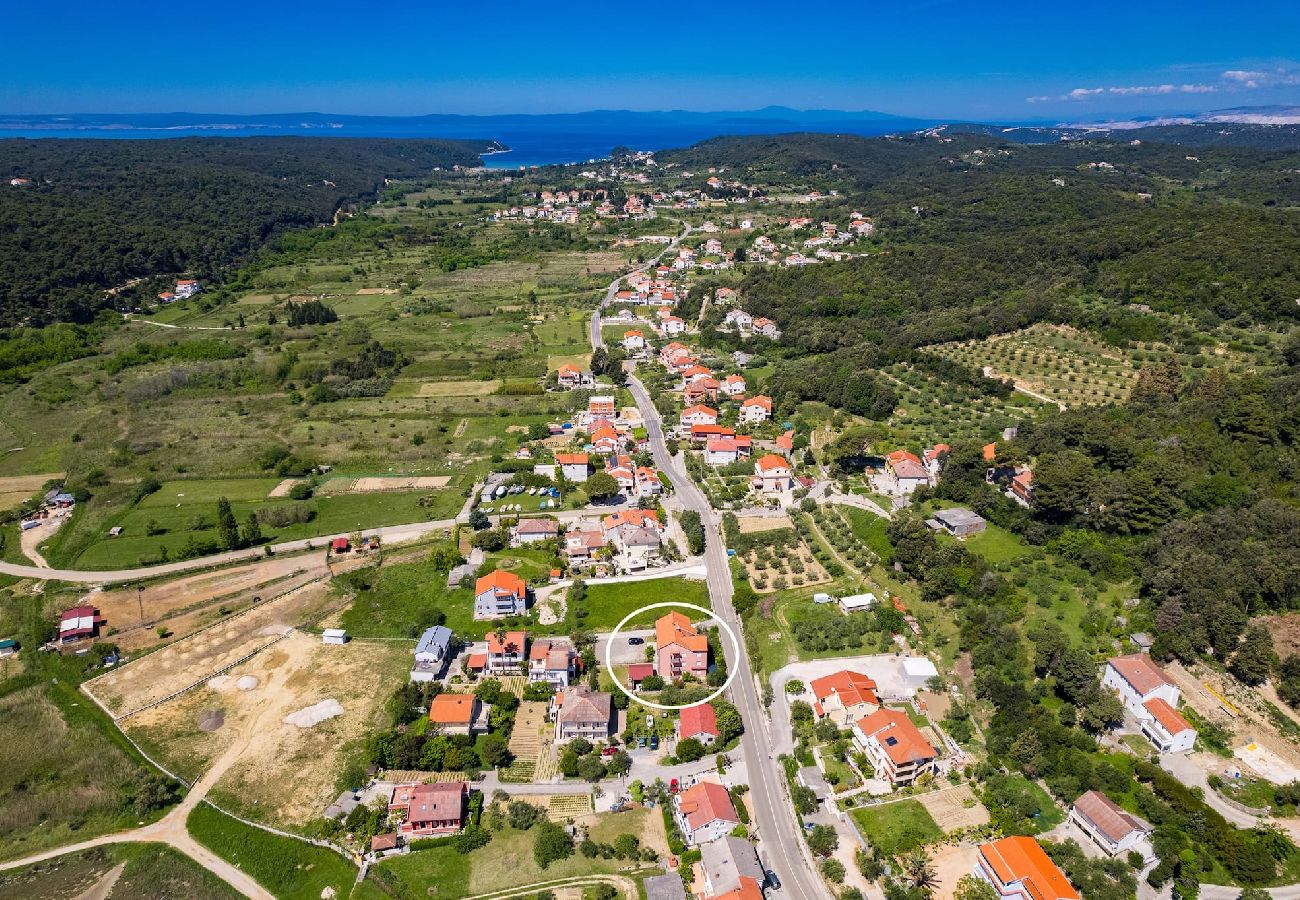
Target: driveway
1193	776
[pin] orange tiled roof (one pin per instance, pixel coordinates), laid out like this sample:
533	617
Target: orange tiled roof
571	459
1169	718
1021	859
898	737
676	628
706	802
452	709
760	400
1142	674
700	719
748	890
771	461
515	639
501	582
852	687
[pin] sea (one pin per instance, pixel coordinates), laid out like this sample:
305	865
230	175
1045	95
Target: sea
532	140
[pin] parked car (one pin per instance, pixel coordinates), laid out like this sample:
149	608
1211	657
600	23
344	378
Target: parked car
673	786
654	742
640	742
636	641
773	882
609	751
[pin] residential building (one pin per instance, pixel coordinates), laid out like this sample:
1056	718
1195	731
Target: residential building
601	407
916	671
1137	679
699	415
733	386
1166	728
844	697
582	713
500	594
457	714
785	444
904	473
726	863
431	809
186	288
699	722
573	466
634	340
934	458
1022	486
505	652
535	530
1111	828
665	887
432	653
671	325
679	648
722	451
553	662
583	545
1019	869
756	409
957	522
569	376
772	474
700	390
79	623
894	746
704	813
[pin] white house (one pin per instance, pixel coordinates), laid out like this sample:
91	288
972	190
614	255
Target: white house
633	341
551	661
895	747
756	409
535	530
574	466
733	386
772	474
704	813
334	636
1137	679
671	325
699	415
431	653
1111	828
1167	729
916	671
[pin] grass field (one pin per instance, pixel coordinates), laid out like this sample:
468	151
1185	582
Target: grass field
185	509
896	828
148	870
290	869
61	781
997	545
609	603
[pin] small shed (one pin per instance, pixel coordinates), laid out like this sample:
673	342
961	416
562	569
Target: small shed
917	671
340	545
334	636
856	602
639	672
383	843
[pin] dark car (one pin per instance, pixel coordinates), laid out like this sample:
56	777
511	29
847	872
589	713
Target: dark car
773	882
654	742
636	641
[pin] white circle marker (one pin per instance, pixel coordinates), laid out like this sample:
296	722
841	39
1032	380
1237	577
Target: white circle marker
669	604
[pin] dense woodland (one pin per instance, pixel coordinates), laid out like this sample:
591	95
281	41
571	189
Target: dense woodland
98	214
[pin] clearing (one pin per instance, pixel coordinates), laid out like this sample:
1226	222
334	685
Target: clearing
955	808
370	485
754	524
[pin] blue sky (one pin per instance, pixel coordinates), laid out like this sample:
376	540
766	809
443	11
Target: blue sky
1006	60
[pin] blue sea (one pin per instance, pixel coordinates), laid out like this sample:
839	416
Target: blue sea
533	140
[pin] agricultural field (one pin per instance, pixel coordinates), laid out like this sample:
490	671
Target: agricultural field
1075	368
931	410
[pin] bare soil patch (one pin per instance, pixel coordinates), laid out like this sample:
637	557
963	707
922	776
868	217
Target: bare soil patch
953	809
458	388
754	524
26	484
371	485
284	487
201	655
367	292
951	862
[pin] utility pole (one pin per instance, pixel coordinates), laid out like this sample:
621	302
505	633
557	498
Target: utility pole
139	596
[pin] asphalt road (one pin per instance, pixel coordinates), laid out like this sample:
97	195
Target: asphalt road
597	338
783	847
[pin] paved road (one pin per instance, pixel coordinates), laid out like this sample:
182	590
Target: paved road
773	815
597	335
390	534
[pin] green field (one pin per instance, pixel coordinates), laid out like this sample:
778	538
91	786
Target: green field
182	510
149	870
288	868
609	603
896	828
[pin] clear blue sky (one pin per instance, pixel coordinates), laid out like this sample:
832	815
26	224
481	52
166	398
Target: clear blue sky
931	58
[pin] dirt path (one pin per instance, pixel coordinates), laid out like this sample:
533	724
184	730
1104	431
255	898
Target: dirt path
626	885
102	888
1022	388
31	539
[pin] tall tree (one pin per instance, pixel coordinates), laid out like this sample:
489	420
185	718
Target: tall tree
227	527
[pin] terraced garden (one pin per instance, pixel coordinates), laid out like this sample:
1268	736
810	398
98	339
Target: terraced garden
930	409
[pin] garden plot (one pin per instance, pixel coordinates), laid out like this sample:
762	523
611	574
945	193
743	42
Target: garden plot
755	524
955	808
370	485
204	654
777	558
930	409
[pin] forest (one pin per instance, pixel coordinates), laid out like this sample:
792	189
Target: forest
98	214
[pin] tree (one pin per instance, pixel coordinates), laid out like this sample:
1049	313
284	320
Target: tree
523	816
805	800
620	763
627	846
919	872
693	528
1254	657
971	888
445	557
823	840
493	750
252	533
833	869
227	527
729	722
601	486
590	768
690	750
478	520
551	844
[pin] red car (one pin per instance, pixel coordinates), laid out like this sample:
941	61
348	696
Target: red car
672	786
609	751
